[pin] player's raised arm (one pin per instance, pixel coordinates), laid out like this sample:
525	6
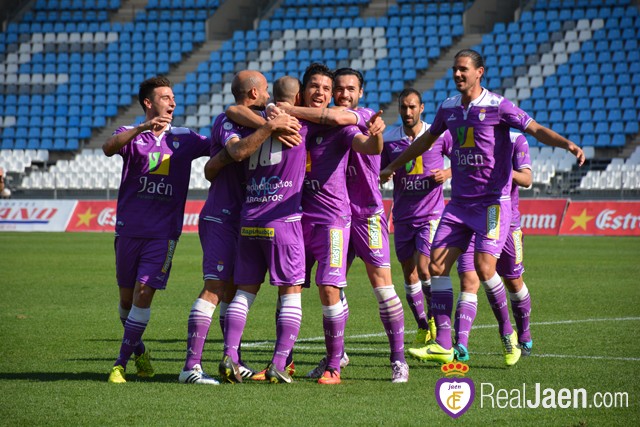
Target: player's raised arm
550	137
114	143
323	116
417	147
374	143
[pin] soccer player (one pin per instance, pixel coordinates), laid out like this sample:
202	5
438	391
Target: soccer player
369	237
479	122
327	214
510	267
418	202
220	217
270	239
153	191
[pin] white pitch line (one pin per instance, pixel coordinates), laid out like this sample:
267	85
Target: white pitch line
380	334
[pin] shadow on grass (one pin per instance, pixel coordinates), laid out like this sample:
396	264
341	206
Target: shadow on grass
81	376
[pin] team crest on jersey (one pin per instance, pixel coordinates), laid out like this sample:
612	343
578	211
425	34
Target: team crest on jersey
482	115
220	266
319	140
157	165
176	144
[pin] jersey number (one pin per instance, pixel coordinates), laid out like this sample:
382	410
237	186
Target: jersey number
270	153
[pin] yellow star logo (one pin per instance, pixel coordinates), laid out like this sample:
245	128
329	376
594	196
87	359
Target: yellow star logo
581	220
85	218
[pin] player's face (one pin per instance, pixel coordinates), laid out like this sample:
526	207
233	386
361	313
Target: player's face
347	91
317	94
162	101
410	110
466	75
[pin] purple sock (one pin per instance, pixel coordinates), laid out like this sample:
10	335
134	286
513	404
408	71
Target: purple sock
426	290
442	305
392	316
235	321
123	319
197	330
497	296
521	309
465	314
415	301
134	327
333	322
288	328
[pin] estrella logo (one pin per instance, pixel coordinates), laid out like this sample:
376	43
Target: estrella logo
157	165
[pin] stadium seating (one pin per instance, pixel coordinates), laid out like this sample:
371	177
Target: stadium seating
67	69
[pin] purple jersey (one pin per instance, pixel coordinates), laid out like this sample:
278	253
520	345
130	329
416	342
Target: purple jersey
521	160
363	171
325	194
274	178
482	149
416	196
155	182
226	192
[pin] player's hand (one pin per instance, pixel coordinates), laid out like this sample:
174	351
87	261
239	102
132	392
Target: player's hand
376	125
289	140
439	176
273	111
157	123
385	175
577	151
285	107
285	123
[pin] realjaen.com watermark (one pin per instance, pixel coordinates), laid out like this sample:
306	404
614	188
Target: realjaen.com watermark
456	394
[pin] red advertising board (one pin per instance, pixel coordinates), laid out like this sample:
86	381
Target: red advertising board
541	216
100	215
602	218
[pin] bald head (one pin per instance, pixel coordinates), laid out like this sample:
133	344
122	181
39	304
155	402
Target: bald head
286	89
244	81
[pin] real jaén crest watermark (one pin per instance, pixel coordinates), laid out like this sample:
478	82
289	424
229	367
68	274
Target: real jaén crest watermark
454	393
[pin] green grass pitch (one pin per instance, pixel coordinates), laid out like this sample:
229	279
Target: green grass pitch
60	334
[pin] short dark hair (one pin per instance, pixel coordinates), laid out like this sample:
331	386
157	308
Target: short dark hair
147	87
349	72
409	91
312	70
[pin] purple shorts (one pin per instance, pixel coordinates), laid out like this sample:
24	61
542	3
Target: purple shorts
465	260
369	240
219	242
489	221
327	244
510	263
276	246
147	261
410	238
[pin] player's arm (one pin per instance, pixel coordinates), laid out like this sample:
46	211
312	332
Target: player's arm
115	142
523	177
374	142
323	116
550	137
247	117
417	147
